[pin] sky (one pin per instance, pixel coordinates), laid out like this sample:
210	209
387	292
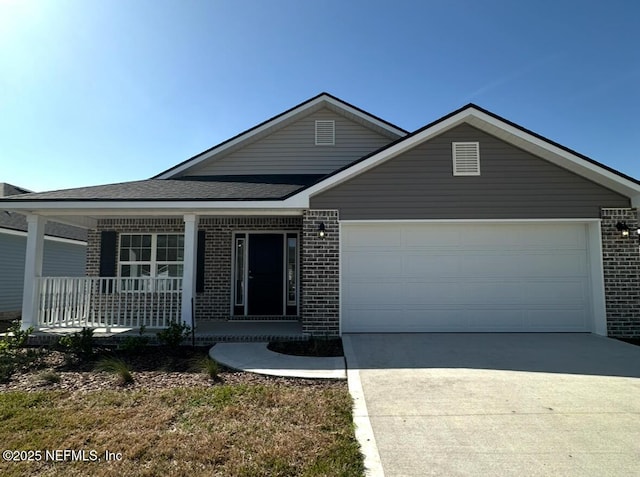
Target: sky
103	91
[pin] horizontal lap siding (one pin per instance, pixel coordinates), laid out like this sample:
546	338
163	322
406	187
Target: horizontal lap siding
419	184
12	251
292	150
60	260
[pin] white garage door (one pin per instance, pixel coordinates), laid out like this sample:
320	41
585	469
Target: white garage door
403	277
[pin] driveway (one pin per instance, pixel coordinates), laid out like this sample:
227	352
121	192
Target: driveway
497	404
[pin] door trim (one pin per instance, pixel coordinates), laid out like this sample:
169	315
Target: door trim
246	233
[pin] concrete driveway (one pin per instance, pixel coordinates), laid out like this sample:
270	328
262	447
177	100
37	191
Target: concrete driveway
496	404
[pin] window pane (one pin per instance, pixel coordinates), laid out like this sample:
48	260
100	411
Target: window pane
145	255
125	240
292	276
136	241
162	241
162	255
239	271
146	241
173	241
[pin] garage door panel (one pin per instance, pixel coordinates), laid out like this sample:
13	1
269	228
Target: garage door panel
465	277
559	320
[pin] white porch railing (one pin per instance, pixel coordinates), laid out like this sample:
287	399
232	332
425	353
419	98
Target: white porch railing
108	302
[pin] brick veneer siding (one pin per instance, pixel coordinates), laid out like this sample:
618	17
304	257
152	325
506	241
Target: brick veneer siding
321	273
215	301
621	263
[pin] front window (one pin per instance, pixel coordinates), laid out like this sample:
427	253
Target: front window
149	256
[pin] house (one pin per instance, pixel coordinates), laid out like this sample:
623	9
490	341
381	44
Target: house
64	253
329	216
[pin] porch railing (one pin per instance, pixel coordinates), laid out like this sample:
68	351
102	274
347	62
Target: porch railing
108	302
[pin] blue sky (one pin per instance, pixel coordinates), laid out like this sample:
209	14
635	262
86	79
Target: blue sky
95	92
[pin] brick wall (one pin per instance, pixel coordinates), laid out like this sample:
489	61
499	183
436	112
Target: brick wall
320	273
621	263
215	301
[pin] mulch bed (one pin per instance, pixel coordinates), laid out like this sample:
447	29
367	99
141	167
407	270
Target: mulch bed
152	368
320	348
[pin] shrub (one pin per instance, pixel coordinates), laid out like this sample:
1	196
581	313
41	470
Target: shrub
174	334
116	366
15	337
134	344
79	344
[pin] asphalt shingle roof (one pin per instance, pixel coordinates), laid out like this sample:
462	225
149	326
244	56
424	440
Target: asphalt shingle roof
246	187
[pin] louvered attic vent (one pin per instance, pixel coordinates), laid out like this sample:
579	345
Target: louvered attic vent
325	133
466	158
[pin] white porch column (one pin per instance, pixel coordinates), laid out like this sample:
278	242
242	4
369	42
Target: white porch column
189	272
32	269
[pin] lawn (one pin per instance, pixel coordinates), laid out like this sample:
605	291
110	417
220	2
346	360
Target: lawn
243	430
173	419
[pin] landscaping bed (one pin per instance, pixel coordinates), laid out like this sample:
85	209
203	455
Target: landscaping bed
178	415
316	347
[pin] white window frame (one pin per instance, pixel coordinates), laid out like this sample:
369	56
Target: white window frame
153	262
454	154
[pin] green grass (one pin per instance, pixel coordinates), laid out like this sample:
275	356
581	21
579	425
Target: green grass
234	430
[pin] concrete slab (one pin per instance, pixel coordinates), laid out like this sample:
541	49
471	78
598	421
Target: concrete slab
500	404
256	358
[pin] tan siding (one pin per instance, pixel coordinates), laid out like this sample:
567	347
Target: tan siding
420	184
292	149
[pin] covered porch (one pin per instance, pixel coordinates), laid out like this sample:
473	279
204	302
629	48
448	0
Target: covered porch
204	284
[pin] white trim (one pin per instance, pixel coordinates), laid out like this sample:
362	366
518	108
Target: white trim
50	238
598	318
457	162
150	207
189	269
596	269
299	111
247	233
34	255
455	221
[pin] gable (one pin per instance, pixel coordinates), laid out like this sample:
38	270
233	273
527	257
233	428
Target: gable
419	184
293	149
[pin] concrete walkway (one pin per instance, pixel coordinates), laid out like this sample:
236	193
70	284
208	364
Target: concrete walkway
256	358
496	404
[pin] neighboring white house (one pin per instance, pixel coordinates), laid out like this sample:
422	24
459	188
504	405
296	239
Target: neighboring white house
64	253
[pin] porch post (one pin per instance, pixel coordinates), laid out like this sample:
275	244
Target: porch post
189	270
32	269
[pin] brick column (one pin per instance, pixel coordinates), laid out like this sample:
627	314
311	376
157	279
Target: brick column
320	273
621	265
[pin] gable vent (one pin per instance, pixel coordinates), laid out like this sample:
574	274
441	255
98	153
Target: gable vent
325	133
466	158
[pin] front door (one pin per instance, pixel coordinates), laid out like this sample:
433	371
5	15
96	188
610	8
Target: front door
265	280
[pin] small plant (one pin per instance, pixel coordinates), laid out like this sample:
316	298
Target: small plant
116	366
79	344
206	365
48	377
173	335
15	337
134	344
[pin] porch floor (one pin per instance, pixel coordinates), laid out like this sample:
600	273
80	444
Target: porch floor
206	332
